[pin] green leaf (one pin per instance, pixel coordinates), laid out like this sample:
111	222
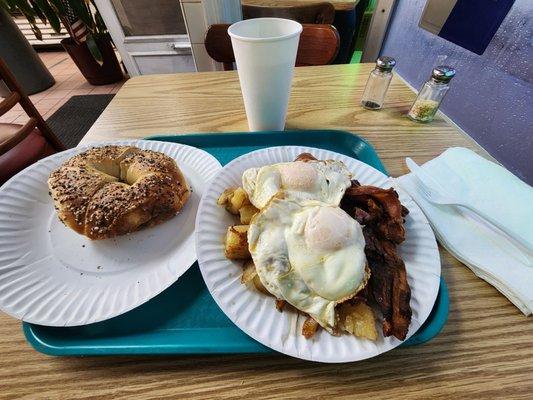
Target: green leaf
12	4
95	51
49	13
100	24
82	12
5	5
31	9
29	13
57	6
36	31
25	8
38	12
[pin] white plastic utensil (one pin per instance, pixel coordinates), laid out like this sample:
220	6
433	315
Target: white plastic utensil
436	194
265	54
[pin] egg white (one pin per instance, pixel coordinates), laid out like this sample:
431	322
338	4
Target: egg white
310	254
324	181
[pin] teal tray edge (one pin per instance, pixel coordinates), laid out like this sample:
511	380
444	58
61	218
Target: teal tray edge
263	139
430	329
226	343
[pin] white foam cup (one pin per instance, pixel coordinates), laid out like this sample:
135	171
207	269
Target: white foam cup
265	54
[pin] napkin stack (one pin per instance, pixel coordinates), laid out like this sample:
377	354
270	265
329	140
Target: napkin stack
485	250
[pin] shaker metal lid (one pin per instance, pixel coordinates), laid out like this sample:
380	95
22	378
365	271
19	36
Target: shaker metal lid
443	73
385	63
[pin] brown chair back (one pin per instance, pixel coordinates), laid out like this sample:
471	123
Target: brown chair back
18	95
319	45
315	13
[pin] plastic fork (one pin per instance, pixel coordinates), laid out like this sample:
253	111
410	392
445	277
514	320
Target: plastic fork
436	194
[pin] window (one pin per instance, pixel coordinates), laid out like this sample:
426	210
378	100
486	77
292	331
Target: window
149	17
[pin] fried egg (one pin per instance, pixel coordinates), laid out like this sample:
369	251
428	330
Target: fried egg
324	181
310	254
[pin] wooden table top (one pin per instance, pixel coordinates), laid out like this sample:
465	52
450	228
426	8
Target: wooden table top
338	4
484	351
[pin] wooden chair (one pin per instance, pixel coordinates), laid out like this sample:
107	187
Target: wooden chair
316	13
22	145
319	45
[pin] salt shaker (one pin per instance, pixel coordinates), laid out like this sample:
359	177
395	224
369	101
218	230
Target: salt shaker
378	83
431	94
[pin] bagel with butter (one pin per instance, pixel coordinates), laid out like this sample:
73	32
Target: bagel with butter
114	190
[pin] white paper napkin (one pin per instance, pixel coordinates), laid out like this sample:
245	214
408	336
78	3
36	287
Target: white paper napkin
487	252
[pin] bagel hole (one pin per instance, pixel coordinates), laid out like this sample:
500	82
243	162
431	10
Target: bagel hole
114	171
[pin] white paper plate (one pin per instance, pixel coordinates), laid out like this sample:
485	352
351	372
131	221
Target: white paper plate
50	275
255	313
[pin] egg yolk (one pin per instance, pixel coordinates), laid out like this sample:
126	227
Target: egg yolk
298	175
327	230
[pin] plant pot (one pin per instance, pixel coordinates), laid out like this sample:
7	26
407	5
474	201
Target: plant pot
96	74
21	58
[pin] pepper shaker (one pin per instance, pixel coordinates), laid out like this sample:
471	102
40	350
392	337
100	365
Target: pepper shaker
378	83
431	94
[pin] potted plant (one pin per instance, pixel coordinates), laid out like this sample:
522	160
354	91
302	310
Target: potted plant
89	44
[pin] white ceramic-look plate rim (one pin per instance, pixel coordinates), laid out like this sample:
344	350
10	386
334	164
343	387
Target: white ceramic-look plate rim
202	165
241	303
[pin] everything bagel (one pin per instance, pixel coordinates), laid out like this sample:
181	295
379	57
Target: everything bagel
113	190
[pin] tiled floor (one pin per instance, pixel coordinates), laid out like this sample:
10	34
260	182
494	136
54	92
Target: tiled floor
69	82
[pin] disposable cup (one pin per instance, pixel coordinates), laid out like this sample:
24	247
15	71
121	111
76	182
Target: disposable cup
265	54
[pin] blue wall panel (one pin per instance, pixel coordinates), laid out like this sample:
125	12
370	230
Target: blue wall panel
492	94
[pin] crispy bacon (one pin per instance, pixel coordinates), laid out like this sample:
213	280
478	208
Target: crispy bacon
305	157
382	216
385	212
280	304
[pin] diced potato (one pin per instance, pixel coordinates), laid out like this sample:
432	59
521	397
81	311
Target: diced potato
259	286
237	200
280	304
249	272
358	319
226	196
247	212
237	243
233	199
309	328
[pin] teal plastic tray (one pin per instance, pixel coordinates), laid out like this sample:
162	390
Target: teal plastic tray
184	319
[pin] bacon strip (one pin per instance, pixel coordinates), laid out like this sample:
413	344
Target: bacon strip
305	157
382	216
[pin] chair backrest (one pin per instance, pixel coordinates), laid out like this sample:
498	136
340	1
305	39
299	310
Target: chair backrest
314	13
18	95
319	45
